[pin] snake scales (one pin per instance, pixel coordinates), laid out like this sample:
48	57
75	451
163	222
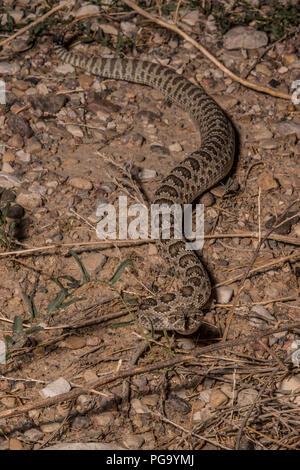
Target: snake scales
200	170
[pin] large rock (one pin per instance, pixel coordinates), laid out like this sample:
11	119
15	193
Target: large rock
244	37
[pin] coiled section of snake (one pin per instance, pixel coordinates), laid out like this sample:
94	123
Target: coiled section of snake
200	170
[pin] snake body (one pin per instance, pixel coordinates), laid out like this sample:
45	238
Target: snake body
200	170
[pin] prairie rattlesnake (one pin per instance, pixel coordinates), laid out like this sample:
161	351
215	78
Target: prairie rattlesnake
200	170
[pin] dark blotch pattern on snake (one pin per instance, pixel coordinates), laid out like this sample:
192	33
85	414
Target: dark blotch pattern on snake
202	169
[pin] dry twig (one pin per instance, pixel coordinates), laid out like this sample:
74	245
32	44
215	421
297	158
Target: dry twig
37	21
120	375
215	61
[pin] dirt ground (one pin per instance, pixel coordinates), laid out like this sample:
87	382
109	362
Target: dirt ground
69	142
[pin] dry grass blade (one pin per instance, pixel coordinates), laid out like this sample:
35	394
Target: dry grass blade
37	21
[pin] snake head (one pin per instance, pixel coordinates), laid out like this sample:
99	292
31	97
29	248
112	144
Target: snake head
184	321
188	322
58	39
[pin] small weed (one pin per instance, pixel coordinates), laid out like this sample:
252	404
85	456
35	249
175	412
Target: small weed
19	336
9	26
123	44
64	298
168	8
273	18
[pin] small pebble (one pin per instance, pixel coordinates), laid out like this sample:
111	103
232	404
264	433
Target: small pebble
64	69
217	398
15	444
244	37
146	174
263	313
290	384
282	70
224	294
74	130
8	156
8	402
267	182
23	156
104	419
33	435
175	147
133	441
16	141
269	144
74	342
80	183
7	168
29	200
218	191
50	427
246	396
202	416
128	27
207	199
139	407
87	10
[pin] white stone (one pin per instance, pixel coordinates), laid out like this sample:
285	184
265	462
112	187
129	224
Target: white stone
205	395
176	147
146	174
283	70
42	89
65	69
55	388
224	294
76	131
